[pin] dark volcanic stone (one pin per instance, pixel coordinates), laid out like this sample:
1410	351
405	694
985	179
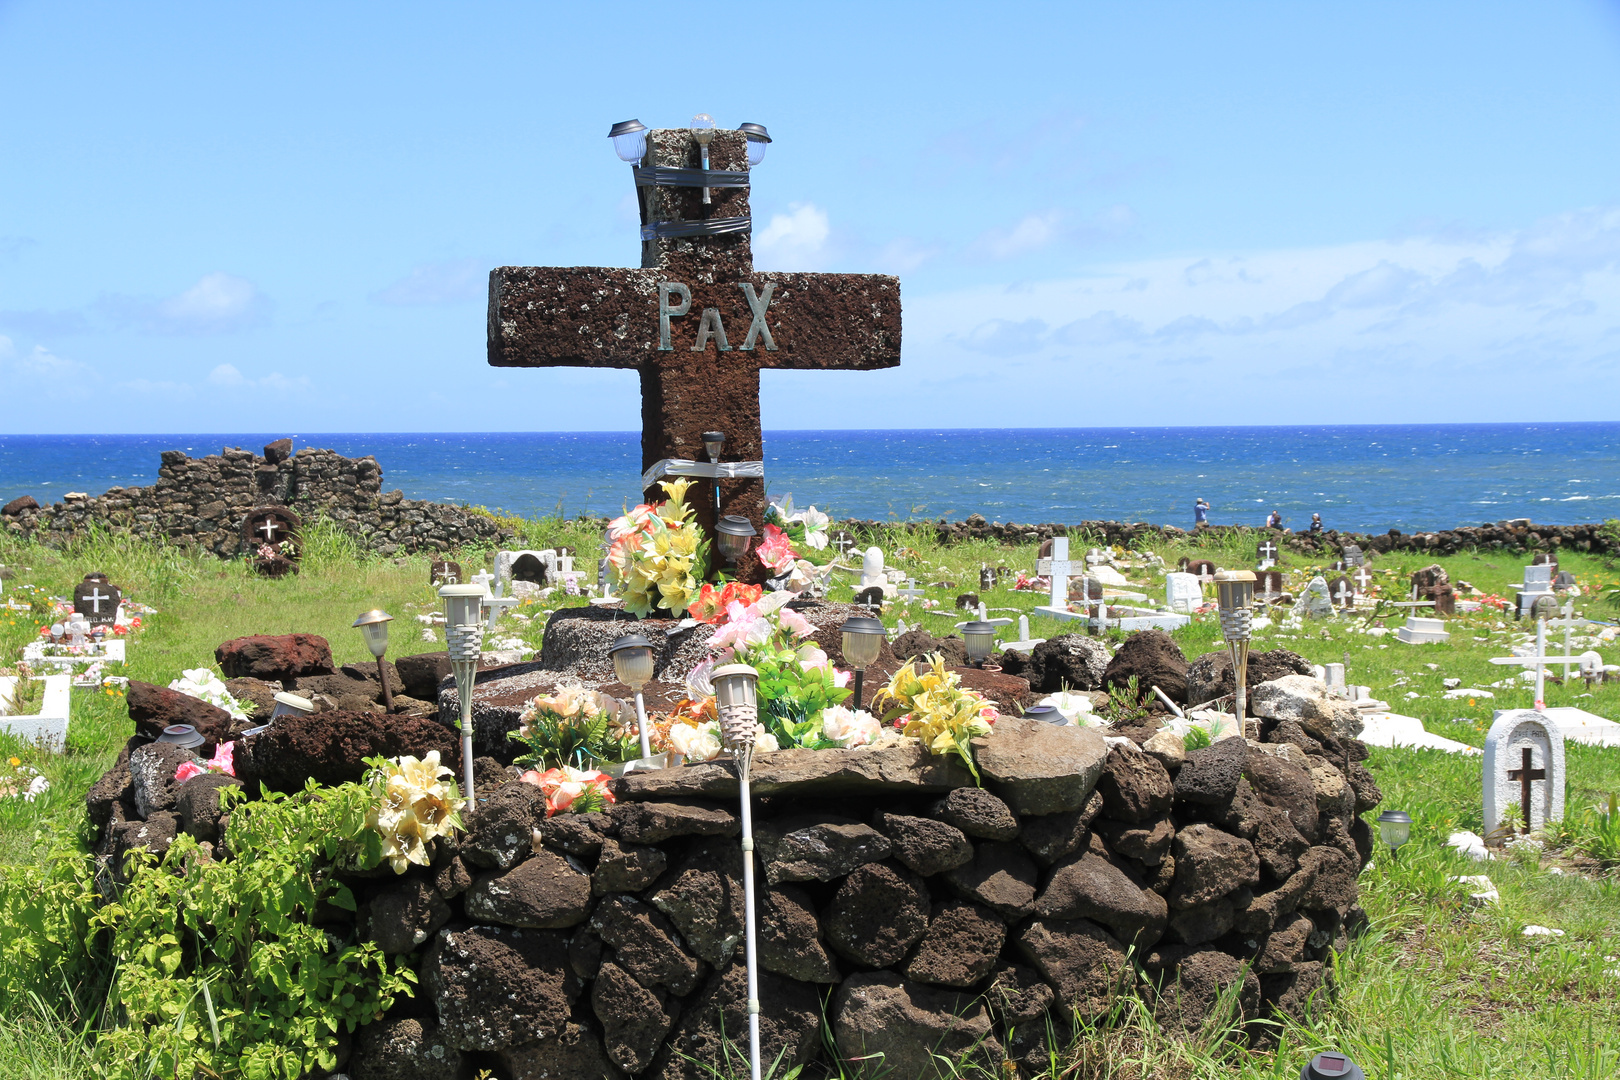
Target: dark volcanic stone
573	1052
1087	886
1209	864
273	657
888	1026
152	768
198	804
906	770
645	944
1001	877
811	847
1191	990
277	452
116	788
714	1027
575	834
1203	923
652	822
154	708
1068	661
978	813
1287	787
960	948
500	833
634	1019
18	505
540	893
1154	658
256	696
1296	993
404	916
1040	768
1285	946
1147	843
627	867
703	897
1135	786
790	938
1080	960
1210	676
925	846
878	914
496	987
1050	837
1210	774
331	747
153	835
421	674
406	1049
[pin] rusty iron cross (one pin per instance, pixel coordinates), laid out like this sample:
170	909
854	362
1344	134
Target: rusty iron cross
1524	775
695	319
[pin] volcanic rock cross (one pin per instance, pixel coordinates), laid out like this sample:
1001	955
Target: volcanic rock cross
667	320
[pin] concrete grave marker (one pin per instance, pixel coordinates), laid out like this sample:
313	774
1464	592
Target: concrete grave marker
1363	579
1524	766
1353	556
444	572
1268	586
1343	593
1182	593
1266	554
665	320
97	600
1202	569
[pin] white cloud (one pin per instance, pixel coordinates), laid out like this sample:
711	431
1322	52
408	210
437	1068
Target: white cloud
6	348
793	240
446	282
217	302
227	377
1033	232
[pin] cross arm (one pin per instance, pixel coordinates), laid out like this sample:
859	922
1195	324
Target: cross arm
571	316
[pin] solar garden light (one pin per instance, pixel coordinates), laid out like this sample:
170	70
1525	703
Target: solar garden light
464	634
758	139
861	640
374	625
633	665
703	131
981	639
1234	592
734	533
1331	1065
712	442
736	696
292	705
1046	714
629	140
1394	829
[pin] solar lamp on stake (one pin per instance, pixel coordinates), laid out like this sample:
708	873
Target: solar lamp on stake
734	533
633	665
980	638
1331	1065
712	442
464	634
374	626
1234	593
703	131
1394	829
758	139
736	695
861	639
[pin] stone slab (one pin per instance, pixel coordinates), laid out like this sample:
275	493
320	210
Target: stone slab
48	726
908	767
1391	729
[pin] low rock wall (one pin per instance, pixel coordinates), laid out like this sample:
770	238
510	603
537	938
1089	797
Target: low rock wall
202	502
909	910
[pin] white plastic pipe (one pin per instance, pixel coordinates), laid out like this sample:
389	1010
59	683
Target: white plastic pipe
748	914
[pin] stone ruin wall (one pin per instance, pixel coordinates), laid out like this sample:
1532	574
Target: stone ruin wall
201	502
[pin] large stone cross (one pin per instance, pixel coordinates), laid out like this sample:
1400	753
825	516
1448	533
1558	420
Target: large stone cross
695	319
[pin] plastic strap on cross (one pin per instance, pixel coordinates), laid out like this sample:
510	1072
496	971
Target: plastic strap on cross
673	230
664	176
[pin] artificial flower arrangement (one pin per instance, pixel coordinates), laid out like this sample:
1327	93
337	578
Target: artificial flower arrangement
934	707
572	791
204	685
657	554
223	761
573	726
414	802
807	527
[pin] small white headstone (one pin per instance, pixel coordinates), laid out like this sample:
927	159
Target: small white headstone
1421	631
1023	630
872	575
1182	592
1060	568
1335	674
1505	745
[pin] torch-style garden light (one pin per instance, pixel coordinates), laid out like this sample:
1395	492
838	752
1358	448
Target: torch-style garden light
374	625
1234	593
981	639
735	533
736	698
629	140
758	139
861	641
1394	829
464	634
633	665
1331	1065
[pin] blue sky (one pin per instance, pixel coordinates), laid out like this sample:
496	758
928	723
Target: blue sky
216	218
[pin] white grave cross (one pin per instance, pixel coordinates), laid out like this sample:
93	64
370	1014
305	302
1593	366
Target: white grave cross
96	598
1344	594
1540	661
1268	554
1060	570
1362	577
269	530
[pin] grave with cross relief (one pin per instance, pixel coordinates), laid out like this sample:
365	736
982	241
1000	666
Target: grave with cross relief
97	600
696	321
1523	767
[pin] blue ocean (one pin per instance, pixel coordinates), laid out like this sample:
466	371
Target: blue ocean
1367	478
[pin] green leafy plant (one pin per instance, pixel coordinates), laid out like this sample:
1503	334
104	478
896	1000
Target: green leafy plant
46	907
794	698
576	727
221	972
1196	739
1125	705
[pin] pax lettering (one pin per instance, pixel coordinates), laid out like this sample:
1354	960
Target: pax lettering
675	299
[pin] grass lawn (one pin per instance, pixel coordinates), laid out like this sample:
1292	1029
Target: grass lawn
1439	987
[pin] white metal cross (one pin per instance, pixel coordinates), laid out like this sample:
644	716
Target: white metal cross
1362	577
483	577
911	592
1059	570
843	542
269	529
1268	551
1541	661
96	598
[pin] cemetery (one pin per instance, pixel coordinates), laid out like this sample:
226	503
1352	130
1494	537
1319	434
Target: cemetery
723	786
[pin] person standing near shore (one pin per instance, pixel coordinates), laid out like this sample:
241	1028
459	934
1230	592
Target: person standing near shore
1316	523
1200	512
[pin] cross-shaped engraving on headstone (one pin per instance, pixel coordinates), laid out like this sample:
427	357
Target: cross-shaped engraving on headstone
1343	593
95	598
666	320
1059	569
269	529
1362	577
1525	775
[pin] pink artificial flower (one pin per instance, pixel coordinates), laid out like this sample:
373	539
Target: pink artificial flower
742	633
224	759
632	522
841	678
990	714
776	550
187	770
797	624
